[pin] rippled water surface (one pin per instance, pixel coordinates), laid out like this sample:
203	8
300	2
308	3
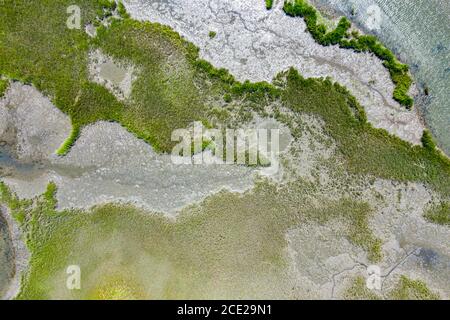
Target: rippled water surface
419	32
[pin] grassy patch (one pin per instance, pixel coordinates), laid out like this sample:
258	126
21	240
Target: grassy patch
439	214
164	95
38	48
405	289
3	86
212	34
359	291
366	150
69	142
428	142
408	289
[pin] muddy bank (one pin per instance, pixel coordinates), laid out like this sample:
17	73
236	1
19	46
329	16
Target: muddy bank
19	255
322	261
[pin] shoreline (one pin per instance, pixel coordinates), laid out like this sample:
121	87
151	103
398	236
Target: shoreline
20	252
423	103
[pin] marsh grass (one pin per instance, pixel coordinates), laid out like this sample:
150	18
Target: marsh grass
405	289
409	289
358	290
366	150
228	243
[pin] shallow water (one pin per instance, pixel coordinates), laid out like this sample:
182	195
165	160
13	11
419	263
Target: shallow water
419	32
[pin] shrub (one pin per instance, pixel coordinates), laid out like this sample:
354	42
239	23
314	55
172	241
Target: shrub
427	141
439	214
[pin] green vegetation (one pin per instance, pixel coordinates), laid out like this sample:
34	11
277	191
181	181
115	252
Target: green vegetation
408	289
439	214
398	71
300	8
69	142
50	194
163	98
358	291
161	101
269	4
122	11
428	142
16	205
38	48
212	34
3	86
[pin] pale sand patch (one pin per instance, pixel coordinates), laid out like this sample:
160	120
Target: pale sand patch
116	76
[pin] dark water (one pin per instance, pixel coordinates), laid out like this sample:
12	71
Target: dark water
419	32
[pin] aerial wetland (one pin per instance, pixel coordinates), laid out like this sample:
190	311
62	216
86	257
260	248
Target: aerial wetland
360	183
